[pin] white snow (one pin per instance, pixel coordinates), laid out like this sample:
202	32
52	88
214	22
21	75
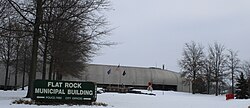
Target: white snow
163	99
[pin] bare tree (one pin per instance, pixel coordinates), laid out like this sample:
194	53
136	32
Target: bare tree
87	13
25	58
7	50
8	44
79	28
11	30
218	59
245	68
192	62
233	64
208	70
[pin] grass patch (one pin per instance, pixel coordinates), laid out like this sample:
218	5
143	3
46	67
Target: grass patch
21	101
33	102
99	104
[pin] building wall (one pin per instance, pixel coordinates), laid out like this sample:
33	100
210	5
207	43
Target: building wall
135	76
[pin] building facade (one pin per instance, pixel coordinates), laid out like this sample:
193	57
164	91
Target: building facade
106	75
137	77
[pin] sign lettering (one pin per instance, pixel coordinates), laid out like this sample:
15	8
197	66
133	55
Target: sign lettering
64	90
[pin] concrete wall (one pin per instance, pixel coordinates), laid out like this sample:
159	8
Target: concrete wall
136	76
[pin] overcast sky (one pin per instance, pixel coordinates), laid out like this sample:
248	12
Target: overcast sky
153	32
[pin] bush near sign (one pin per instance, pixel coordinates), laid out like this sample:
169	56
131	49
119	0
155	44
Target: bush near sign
45	90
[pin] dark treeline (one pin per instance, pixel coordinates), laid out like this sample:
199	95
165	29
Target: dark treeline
52	37
213	70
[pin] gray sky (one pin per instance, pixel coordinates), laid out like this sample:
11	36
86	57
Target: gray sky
153	32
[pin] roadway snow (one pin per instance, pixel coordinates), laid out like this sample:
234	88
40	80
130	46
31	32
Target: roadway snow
163	99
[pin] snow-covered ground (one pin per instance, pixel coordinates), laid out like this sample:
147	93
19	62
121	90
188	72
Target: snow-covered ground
163	99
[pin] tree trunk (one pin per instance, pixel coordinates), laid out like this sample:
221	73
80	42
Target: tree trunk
208	87
17	59
58	76
51	68
45	58
6	75
208	83
7	66
232	80
54	75
33	66
194	83
24	69
216	84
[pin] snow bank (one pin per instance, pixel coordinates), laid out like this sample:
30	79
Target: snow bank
163	99
170	99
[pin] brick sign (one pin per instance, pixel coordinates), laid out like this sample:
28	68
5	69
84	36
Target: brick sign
64	90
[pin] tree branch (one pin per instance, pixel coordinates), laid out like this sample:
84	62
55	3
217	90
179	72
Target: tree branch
13	5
